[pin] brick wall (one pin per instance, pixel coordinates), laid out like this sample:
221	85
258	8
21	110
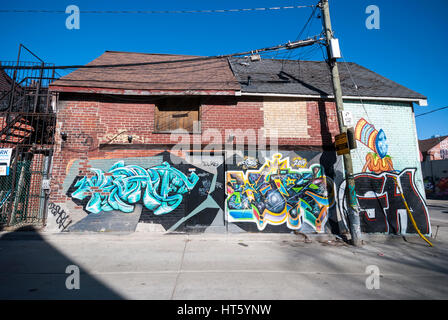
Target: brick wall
97	129
440	151
89	123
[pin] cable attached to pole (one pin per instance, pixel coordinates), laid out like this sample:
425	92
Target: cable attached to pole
410	214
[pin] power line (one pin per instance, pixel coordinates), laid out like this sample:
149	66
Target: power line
431	111
156	11
307	24
288	46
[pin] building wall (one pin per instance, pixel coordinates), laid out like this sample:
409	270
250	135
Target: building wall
387	149
88	194
440	151
435	173
97	130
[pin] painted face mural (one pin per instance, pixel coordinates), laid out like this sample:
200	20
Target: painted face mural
378	160
276	194
159	188
381	144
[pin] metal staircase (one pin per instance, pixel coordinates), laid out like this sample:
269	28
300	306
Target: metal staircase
27	126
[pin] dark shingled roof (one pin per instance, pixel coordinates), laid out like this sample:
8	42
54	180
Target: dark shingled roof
210	74
427	144
266	76
313	78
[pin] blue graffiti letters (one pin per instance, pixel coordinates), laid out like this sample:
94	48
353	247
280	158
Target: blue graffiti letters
160	188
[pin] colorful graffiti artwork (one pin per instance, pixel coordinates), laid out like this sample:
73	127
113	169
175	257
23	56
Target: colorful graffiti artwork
442	187
382	207
429	185
248	163
159	188
377	161
276	194
299	162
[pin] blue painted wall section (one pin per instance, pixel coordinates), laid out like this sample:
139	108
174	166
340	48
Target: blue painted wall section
387	148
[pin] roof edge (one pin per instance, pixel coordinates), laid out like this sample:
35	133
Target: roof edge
143	92
153	54
420	102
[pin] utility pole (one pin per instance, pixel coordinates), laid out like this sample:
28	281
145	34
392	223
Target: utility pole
352	208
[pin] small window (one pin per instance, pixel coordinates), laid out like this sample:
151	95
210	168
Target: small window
177	113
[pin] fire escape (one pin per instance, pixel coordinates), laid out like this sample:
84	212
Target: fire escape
27	125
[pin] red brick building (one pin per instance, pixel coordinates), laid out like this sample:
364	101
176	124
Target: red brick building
122	164
435	148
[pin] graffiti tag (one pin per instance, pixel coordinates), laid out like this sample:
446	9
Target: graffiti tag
62	218
248	163
299	162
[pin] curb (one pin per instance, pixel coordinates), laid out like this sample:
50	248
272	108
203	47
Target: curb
43	236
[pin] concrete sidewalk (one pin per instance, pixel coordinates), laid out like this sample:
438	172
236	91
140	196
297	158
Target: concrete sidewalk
437	203
241	266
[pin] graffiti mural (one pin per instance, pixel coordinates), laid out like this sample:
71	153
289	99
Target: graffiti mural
163	193
441	187
159	188
382	209
378	160
277	194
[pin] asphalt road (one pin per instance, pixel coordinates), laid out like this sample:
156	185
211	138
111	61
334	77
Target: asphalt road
244	266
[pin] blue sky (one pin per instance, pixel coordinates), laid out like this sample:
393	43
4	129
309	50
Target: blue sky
409	48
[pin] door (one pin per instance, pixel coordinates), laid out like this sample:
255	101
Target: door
205	210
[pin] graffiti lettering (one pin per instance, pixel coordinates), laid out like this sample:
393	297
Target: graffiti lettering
62	218
206	184
299	162
81	138
382	207
248	163
121	187
210	163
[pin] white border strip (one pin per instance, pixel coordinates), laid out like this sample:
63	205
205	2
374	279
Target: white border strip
420	102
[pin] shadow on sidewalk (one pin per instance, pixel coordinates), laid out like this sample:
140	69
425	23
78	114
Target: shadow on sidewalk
31	268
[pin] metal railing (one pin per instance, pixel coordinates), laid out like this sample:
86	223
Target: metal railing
27	127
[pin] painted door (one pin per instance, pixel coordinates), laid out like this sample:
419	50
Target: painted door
205	210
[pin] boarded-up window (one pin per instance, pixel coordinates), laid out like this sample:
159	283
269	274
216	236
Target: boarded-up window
285	118
177	113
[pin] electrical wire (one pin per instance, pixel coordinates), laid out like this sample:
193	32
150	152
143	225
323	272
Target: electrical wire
303	30
276	48
286	46
155	11
422	114
134	128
